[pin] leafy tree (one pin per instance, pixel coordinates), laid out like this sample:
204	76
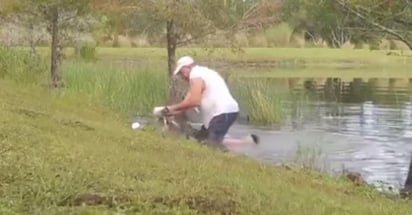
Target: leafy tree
116	16
181	22
320	19
385	17
61	18
29	23
328	20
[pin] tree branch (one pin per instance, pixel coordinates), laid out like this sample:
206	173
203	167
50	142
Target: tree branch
375	24
188	40
408	23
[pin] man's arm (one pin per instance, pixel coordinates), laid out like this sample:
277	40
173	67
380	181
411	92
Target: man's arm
193	97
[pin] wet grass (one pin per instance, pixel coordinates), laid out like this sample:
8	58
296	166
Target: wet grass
59	152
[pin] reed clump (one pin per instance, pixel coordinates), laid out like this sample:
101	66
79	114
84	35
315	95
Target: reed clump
262	102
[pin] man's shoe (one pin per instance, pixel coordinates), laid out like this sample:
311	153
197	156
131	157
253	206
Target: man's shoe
255	138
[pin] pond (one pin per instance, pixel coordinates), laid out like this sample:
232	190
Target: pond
358	124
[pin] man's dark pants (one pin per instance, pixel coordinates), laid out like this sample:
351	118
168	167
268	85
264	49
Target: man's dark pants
218	128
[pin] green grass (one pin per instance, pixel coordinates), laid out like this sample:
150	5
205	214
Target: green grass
20	66
315	56
55	147
267	101
260	99
258	53
126	89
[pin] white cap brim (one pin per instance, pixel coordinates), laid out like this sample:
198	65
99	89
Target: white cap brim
183	61
177	70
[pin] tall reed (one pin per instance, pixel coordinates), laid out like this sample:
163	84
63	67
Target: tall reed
21	66
124	88
128	88
260	99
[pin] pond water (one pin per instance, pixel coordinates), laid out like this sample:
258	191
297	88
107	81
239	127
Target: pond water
361	125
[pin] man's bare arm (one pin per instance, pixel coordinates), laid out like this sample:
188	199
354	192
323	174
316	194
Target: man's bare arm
193	97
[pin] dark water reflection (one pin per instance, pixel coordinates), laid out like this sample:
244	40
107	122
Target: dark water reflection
360	125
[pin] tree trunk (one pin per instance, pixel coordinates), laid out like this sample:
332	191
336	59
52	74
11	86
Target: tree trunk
33	43
407	190
408	43
176	85
171	46
116	42
56	73
77	46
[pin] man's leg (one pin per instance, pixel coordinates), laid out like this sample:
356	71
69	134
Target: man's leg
200	135
218	128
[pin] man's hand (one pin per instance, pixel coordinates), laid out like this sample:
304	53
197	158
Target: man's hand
166	111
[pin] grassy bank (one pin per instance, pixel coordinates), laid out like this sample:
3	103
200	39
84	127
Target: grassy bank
55	148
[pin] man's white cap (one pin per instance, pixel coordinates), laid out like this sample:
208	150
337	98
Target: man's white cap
183	61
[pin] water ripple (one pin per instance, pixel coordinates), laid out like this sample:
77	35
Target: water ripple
373	137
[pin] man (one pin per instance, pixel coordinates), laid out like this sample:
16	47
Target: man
209	92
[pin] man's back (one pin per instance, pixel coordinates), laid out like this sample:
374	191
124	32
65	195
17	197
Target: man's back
216	97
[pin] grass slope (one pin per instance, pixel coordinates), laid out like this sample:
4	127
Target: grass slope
54	148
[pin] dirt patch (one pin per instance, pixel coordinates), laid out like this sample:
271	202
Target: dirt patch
356	178
30	113
77	124
94	200
201	204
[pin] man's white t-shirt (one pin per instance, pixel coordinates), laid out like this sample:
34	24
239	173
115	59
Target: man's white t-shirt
216	97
